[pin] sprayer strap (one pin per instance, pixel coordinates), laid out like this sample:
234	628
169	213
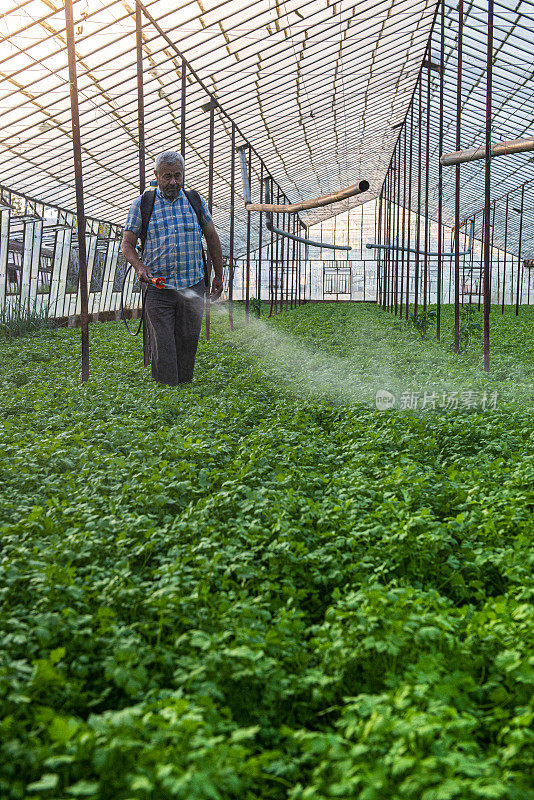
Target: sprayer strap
196	203
148	199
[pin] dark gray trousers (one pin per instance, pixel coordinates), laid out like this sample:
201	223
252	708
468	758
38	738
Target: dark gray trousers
174	320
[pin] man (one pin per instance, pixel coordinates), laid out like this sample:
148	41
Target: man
173	250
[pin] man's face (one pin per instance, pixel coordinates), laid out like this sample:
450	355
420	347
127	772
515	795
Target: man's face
170	178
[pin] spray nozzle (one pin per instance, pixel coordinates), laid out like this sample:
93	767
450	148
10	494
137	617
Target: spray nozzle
159	283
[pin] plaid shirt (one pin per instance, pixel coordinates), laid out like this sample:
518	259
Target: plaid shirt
173	247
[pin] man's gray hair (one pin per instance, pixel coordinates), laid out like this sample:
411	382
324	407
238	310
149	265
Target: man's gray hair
169	157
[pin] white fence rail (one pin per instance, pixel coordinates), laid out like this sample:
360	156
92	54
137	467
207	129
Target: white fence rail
39	261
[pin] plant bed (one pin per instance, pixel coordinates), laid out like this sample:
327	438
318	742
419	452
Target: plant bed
261	586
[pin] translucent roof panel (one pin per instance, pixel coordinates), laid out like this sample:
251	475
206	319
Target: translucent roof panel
512	118
317	88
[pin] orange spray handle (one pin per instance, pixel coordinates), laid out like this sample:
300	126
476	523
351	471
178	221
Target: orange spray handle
159	283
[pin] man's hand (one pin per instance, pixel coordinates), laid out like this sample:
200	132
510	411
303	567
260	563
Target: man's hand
216	287
143	273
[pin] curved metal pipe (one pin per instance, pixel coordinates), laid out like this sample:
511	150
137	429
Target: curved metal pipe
317	202
271	227
498	149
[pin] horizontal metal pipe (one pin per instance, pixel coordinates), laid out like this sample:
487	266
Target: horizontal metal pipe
411	250
503	148
271	227
423	252
317	202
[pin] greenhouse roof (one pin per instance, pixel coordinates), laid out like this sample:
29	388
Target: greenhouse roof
320	91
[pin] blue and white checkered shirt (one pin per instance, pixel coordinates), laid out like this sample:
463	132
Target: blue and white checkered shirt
173	248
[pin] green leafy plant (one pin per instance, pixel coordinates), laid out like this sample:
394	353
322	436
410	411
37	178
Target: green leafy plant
18	318
255	306
422	321
256	587
469	327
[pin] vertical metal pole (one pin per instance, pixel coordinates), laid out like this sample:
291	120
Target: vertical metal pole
276	258
397	226
450	268
511	279
289	281
78	179
289	294
409	214
388	240
379	276
299	264
403	250
457	184
300	268
504	262
362	256
387	252
384	241
183	107
211	156
232	235
528	279
472	261
260	243
282	259
392	235
391	252
293	267
140	95
427	180
481	268
285	265
492	254
271	262
519	269
418	231
247	274
141	129
286	227
361	235
440	170
498	258
487	187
